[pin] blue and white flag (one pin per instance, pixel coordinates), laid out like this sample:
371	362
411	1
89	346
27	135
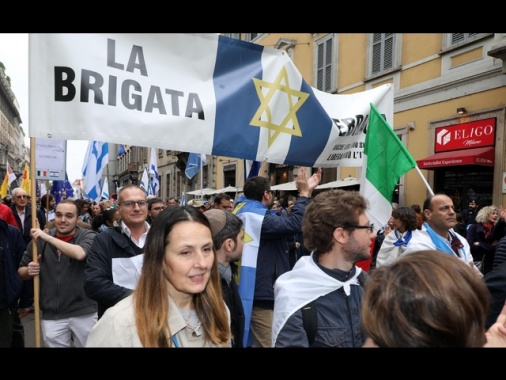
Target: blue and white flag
251	168
183	199
153	173
95	161
252	214
211	94
105	190
194	163
144	184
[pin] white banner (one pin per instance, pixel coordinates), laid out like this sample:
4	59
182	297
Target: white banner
201	93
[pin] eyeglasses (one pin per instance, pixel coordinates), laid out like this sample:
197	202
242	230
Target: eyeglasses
21	196
369	227
130	204
158	208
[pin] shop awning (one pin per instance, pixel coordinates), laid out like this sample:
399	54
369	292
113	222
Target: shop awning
475	156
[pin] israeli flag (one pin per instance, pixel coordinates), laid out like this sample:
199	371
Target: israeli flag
153	172
252	214
95	160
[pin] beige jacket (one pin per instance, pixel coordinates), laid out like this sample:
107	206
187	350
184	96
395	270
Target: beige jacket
116	328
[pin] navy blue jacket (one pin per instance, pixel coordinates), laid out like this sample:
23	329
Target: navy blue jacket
12	247
273	253
28	221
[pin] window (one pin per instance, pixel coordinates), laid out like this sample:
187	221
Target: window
382	52
237	36
457	38
229	175
251	36
325	67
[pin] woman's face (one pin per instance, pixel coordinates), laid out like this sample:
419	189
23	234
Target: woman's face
189	258
492	217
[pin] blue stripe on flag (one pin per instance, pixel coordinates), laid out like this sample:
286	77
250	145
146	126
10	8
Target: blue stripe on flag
237	63
315	127
252	214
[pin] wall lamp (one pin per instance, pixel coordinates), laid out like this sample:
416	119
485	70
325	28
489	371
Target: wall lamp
461	110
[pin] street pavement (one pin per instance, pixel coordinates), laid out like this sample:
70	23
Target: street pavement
29	326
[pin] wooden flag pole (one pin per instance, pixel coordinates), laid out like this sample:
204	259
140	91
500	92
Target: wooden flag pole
36	279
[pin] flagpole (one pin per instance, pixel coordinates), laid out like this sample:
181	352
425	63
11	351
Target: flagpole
36	310
47	204
424	180
201	179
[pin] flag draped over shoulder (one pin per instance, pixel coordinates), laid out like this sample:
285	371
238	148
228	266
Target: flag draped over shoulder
252	214
153	173
195	162
26	182
385	160
95	161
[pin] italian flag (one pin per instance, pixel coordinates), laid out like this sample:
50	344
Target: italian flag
385	160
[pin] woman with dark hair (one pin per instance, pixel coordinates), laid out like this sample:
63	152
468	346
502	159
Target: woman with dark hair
404	223
47	203
106	219
178	300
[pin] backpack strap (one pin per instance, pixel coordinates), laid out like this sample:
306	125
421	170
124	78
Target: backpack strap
309	321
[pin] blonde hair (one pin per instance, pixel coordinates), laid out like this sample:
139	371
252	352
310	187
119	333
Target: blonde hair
484	213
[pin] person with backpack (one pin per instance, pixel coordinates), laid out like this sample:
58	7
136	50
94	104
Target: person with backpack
318	302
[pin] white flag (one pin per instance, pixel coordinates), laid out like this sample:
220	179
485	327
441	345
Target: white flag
144	185
105	189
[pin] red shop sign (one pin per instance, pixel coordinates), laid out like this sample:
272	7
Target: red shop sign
474	134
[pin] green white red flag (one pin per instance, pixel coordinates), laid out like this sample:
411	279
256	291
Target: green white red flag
385	160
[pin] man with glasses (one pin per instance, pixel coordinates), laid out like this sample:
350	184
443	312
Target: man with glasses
115	256
266	258
23	213
155	206
317	303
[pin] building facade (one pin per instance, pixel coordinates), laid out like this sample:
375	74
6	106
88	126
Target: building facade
12	136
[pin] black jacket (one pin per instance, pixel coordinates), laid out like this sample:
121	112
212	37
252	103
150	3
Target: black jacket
28	221
99	286
495	280
233	301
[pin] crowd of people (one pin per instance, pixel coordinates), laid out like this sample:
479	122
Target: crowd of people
258	271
